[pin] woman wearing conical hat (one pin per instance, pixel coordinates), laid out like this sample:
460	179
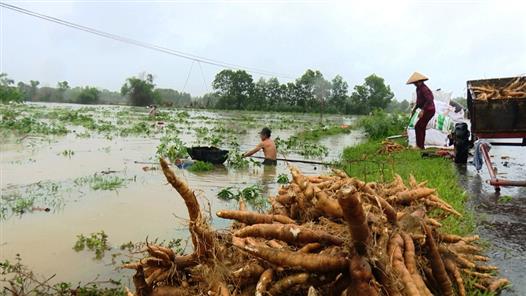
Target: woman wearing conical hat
424	101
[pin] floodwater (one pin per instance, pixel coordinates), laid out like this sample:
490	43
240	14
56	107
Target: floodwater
145	206
501	217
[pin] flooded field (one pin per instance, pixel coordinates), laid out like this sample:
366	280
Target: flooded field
501	218
85	170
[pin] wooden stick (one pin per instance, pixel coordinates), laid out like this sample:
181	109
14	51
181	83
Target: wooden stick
296	160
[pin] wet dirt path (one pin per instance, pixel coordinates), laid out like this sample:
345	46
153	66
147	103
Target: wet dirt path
501	218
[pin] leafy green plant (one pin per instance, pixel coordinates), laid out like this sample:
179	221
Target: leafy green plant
138	128
505	199
304	148
20	279
101	182
96	242
283	179
21	206
183	114
380	124
321	131
227	193
171	147
236	160
107	183
252	194
21	199
28	125
201	166
68	153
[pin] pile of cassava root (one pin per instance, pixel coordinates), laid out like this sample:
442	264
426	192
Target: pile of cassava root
325	235
389	147
515	89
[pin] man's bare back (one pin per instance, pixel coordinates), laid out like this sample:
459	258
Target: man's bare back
268	146
269	149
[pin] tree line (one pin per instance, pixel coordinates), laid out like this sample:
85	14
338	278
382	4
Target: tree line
309	93
137	91
233	89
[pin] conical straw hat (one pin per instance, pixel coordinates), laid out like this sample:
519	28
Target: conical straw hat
416	77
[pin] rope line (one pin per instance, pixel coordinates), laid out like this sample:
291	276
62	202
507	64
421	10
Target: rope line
138	43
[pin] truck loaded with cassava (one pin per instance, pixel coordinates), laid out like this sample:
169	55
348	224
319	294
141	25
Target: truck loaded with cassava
324	235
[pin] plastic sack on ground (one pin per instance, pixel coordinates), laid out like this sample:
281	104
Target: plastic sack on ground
442	123
434	138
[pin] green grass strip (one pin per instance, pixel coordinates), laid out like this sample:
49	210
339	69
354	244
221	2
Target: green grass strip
363	161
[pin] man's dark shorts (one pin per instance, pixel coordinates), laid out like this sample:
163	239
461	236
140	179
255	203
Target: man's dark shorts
270	162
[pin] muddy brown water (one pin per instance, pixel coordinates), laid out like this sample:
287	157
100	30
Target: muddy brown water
501	217
145	206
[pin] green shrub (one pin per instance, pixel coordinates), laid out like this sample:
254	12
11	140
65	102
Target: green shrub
201	166
171	147
380	124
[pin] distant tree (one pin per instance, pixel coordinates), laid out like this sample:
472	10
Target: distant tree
396	106
47	94
25	90
274	92
371	95
209	100
260	97
234	88
88	95
62	87
34	88
312	90
339	93
140	92
8	92
404	106
171	97
112	97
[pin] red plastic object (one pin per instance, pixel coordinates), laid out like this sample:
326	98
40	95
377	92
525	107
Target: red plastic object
494	181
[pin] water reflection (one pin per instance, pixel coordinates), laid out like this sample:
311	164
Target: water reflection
501	216
268	178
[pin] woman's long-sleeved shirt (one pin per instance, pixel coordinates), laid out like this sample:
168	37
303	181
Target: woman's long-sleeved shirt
424	98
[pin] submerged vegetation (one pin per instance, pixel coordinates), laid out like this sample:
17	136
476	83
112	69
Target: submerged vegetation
171	147
40	196
19	279
317	133
252	194
96	242
201	166
101	182
304	148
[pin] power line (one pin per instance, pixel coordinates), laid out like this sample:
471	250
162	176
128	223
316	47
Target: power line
135	42
203	75
188	76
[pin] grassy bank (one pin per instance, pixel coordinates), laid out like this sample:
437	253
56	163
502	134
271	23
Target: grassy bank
364	162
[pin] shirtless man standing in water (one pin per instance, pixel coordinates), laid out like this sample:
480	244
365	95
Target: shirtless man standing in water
268	146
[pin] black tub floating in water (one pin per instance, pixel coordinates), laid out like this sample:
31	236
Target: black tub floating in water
209	154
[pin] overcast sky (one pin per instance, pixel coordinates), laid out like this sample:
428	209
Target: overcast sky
449	41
